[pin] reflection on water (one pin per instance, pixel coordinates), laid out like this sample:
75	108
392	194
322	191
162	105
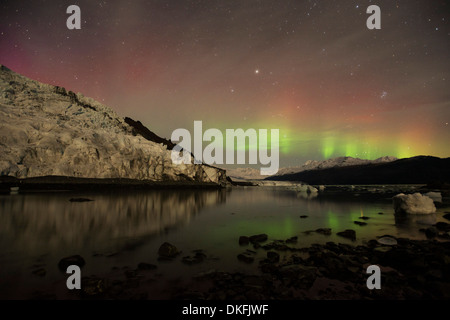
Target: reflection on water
39	229
36	222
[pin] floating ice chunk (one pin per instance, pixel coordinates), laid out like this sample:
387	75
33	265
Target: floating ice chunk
413	204
436	196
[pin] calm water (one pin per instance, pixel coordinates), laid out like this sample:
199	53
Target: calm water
124	229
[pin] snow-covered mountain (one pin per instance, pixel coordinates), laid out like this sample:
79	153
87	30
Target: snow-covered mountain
245	174
331	163
47	131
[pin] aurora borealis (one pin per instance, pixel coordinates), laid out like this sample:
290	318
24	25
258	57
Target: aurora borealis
309	68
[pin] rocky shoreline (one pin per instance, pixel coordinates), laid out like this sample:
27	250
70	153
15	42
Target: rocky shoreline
63	183
410	269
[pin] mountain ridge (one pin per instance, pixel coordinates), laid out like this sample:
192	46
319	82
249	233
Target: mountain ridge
414	170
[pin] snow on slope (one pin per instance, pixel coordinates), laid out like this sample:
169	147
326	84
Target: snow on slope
245	174
45	130
330	163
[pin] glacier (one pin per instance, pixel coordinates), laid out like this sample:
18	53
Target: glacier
46	130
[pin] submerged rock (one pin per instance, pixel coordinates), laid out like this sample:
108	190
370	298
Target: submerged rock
273	256
325	231
387	241
349	233
292	240
243	240
41	272
92	287
77	260
303	217
360	223
168	251
413	204
258	238
245	257
197	258
146	266
442	226
431	232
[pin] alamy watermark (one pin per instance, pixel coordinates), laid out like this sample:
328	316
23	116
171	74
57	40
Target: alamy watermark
235	143
74	20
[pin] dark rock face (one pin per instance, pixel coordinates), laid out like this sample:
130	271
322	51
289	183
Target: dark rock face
140	129
167	251
77	260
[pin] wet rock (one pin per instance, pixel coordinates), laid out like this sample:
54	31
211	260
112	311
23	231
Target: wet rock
130	274
360	223
431	232
243	240
443	226
387	241
92	287
258	238
349	233
41	272
292	240
77	260
273	256
245	257
303	217
146	266
168	251
197	258
298	276
80	200
256	245
325	231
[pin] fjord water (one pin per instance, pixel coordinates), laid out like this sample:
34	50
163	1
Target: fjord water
117	231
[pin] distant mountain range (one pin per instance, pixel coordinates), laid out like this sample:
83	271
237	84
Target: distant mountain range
254	174
332	163
415	170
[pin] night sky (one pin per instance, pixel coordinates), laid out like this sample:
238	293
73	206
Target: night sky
310	68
